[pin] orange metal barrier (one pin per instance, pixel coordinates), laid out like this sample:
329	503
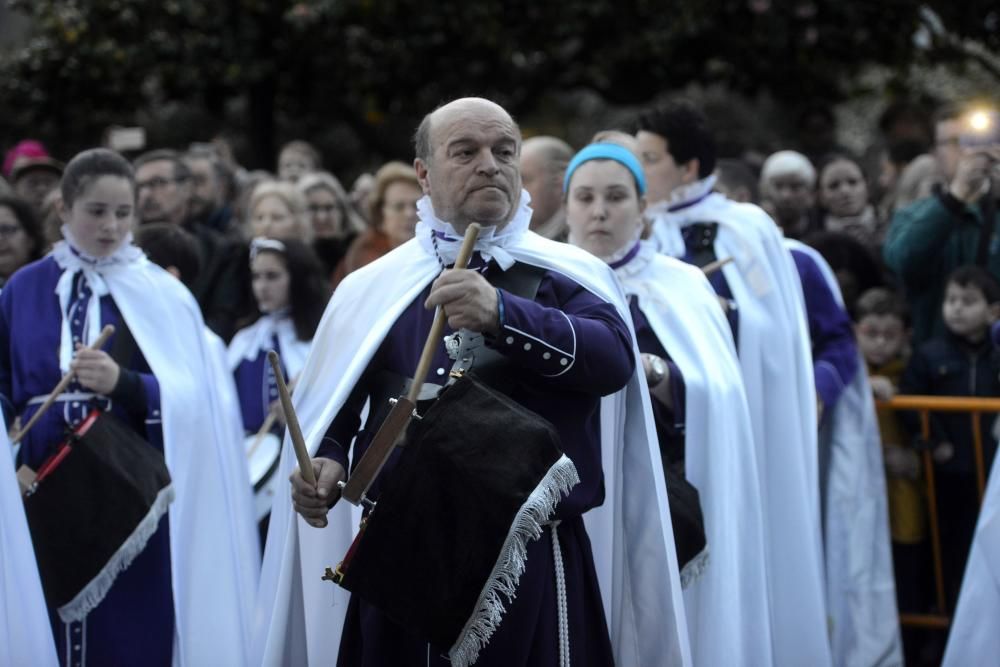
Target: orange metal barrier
924	405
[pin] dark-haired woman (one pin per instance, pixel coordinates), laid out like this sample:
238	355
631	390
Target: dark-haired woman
177	592
291	291
21	239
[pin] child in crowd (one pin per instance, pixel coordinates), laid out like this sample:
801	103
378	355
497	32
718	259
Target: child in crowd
882	330
962	362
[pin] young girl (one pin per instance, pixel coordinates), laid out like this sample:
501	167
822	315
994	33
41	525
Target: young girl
291	293
152	381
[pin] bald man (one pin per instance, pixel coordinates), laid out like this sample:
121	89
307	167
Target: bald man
547	326
543	164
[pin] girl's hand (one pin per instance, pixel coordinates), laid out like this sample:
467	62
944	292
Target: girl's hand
96	370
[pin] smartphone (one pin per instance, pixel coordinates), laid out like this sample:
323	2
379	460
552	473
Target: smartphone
980	129
124	139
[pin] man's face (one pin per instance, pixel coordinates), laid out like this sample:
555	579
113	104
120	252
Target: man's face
34	184
663	175
162	198
791	195
206	189
474	174
946	147
544	186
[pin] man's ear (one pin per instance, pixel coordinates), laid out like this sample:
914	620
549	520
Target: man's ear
423	176
689	171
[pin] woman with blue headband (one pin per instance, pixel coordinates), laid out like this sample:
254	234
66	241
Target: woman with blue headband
698	403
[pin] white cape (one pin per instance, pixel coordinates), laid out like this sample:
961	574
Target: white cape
248	342
860	586
776	359
213	544
974	639
727	609
25	631
300	618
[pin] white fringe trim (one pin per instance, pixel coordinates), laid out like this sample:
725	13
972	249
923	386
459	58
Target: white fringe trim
527	526
92	595
695	567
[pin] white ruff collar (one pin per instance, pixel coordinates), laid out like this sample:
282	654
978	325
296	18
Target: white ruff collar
72	260
441	239
683	196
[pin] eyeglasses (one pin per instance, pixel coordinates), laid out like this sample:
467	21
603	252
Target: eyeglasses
157	183
7	231
322	208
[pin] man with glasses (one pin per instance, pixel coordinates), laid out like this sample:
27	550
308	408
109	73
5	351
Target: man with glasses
164	183
957	225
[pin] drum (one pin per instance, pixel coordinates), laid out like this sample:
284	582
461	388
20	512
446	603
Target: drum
262	460
93	507
444	548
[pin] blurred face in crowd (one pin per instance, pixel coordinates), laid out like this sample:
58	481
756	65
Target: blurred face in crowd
207	192
880	338
293	163
101	215
34	184
270	280
791	195
842	188
324	213
603	209
273	219
542	183
474	172
399	211
663	175
966	311
947	149
15	244
162	196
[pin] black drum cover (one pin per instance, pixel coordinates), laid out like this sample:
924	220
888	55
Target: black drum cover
95	512
433	545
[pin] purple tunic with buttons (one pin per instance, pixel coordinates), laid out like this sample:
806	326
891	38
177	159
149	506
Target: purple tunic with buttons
569	348
134	624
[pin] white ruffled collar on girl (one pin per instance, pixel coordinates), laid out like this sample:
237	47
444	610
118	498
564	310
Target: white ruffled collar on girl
440	238
72	260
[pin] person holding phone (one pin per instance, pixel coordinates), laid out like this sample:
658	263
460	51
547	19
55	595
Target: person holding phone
957	224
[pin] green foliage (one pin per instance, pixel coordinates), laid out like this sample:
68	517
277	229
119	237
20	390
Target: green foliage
369	69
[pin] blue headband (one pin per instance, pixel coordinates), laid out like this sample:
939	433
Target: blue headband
619	154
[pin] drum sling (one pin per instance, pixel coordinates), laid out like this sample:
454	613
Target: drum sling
94	505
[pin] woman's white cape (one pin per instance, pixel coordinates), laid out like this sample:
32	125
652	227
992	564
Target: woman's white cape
775	356
300	618
25	632
727	611
974	639
213	544
860	586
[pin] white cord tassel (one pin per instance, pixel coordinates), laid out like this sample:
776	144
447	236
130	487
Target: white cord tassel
561	598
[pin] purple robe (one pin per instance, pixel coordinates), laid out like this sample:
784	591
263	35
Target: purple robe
257	389
134	624
568	348
834	352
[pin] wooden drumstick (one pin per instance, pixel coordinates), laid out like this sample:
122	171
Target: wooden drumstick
265	428
298	443
712	267
437	328
106	333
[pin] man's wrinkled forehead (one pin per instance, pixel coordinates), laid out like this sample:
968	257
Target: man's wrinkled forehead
460	124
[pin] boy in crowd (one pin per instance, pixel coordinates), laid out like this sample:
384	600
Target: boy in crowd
962	362
882	330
